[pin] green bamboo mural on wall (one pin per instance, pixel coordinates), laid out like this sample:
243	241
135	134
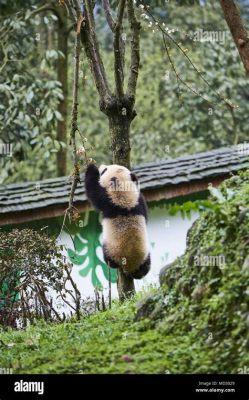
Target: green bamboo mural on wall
89	239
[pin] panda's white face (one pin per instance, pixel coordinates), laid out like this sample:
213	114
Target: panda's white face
110	173
119	184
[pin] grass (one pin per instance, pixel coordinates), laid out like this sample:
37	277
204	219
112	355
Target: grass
109	342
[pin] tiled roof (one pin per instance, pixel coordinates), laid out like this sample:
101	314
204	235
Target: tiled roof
157	175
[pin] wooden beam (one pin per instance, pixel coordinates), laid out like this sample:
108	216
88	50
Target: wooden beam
181	190
40	213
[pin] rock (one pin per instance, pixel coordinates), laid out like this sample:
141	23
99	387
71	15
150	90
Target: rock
146	307
189	231
164	272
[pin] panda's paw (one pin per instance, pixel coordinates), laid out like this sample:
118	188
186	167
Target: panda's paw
142	271
92	170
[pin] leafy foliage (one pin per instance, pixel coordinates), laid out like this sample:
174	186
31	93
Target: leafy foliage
163	128
29	97
31	269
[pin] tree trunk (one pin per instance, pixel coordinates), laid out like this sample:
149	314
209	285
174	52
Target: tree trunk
237	29
119	128
120	119
62	67
125	285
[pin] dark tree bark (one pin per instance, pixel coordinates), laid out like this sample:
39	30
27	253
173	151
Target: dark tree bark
237	29
120	116
117	105
62	77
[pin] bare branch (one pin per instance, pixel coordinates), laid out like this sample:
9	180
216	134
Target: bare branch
135	49
237	29
108	14
74	125
179	79
118	47
201	76
109	287
90	42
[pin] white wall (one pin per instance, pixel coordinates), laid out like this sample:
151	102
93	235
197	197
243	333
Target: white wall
167	237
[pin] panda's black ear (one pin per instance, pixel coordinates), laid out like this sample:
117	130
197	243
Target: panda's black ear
134	177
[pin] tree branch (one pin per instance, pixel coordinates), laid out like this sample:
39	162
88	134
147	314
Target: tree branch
74	124
45	7
181	49
237	29
135	49
118	47
108	15
89	40
179	79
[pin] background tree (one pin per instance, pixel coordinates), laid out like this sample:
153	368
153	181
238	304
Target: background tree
29	95
237	29
56	21
116	103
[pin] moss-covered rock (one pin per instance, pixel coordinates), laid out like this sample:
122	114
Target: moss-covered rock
206	291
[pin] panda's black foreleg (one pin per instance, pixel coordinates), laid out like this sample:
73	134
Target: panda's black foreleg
108	260
143	269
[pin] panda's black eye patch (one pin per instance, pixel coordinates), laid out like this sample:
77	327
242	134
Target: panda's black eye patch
133	177
103	171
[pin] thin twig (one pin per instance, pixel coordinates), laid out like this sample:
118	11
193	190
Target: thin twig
173	68
103	302
202	77
108	14
180	79
110	287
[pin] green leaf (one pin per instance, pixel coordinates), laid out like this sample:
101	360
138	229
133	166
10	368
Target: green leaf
58	116
49	115
29	96
216	193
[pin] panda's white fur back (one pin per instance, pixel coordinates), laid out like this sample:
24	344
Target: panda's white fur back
126	240
114	190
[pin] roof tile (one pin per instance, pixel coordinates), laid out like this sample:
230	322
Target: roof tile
165	173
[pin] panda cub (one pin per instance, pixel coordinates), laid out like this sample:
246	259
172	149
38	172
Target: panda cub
113	190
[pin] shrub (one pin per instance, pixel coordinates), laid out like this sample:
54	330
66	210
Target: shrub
34	279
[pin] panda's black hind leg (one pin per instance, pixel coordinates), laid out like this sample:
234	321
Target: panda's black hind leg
143	269
108	260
